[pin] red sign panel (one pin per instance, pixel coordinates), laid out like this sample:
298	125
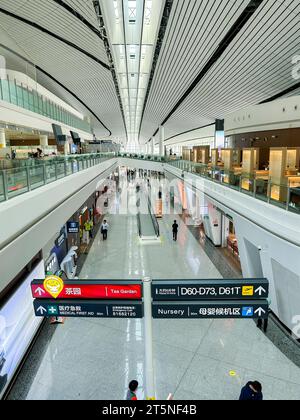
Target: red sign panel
91	291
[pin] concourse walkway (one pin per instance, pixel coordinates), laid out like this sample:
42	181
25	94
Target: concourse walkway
194	359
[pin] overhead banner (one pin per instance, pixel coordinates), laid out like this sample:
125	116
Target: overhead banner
210	289
211	310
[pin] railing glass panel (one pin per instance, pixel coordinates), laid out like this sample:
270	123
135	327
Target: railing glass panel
280	195
31	100
32	174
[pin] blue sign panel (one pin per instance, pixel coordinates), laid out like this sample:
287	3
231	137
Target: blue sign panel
73	227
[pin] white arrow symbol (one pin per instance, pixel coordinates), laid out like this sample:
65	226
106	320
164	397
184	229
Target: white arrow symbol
260	311
41	309
40	291
260	290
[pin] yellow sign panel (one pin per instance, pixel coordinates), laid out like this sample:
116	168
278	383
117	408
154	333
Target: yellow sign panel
232	373
248	291
54	286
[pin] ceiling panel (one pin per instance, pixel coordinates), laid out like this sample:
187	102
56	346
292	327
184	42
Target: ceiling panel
61	22
86	78
194	31
257	66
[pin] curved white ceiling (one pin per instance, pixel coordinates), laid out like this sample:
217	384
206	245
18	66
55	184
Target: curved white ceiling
255	66
81	73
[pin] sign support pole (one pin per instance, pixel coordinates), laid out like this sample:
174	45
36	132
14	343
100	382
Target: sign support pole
148	331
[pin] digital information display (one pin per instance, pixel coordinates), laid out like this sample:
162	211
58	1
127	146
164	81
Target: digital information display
210	289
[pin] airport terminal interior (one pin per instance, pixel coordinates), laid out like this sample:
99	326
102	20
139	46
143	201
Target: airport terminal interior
149	200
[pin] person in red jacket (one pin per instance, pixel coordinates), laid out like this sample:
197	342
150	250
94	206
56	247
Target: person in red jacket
132	388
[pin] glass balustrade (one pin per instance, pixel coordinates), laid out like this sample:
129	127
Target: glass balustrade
280	195
33	174
12	92
18	180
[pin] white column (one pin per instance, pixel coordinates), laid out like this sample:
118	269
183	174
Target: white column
67	148
148	332
2	138
44	140
152	145
161	140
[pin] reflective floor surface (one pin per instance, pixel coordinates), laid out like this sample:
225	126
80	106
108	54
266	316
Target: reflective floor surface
194	359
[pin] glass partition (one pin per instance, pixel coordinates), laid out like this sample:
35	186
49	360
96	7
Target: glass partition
32	174
18	94
285	196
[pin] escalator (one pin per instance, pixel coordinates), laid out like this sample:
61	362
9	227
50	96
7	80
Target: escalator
148	226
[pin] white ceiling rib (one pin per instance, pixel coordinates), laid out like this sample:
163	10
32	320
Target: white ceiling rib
256	67
65	24
89	80
196	29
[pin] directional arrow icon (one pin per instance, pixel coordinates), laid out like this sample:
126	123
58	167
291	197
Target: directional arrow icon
260	290
40	291
41	309
260	311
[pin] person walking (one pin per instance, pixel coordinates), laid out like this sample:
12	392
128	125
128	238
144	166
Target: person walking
132	389
175	228
252	391
104	229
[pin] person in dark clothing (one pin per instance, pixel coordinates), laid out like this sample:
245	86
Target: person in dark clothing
251	392
132	388
175	230
264	323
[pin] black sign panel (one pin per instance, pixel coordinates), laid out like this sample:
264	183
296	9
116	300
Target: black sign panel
73	227
210	289
87	309
211	310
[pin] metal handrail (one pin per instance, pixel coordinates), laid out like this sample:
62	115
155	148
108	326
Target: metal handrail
258	188
139	223
19	180
154	220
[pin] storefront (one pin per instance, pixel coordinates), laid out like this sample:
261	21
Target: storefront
230	238
81	226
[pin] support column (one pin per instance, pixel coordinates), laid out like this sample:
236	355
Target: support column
219	135
43	140
152	145
67	148
148	339
2	138
161	140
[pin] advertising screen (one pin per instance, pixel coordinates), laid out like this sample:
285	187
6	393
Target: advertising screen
18	326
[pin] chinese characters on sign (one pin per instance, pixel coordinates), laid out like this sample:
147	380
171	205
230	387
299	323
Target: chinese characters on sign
88	309
218	309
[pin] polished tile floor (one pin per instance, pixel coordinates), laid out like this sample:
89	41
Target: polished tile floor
194	359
